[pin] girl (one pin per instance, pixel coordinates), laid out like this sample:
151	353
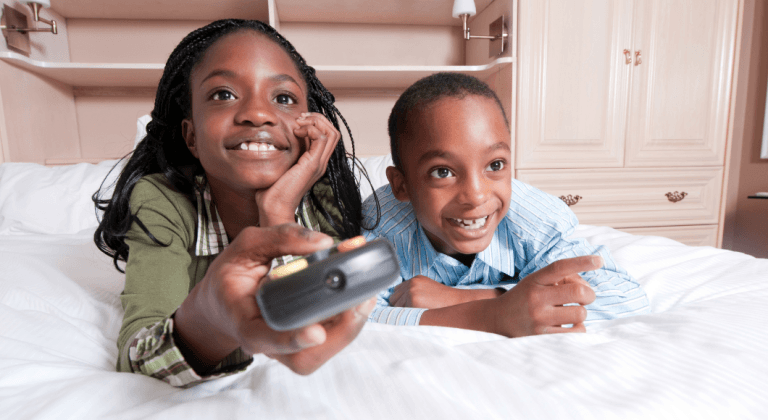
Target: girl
243	142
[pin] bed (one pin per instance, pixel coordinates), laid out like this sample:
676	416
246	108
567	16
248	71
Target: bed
701	353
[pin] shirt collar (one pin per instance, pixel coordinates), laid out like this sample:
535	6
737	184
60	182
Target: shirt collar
211	236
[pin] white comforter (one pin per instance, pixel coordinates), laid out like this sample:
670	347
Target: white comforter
702	353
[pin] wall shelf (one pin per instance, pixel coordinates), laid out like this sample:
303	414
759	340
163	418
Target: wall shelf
148	75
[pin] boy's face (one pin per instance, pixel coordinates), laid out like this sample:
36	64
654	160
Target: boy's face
456	172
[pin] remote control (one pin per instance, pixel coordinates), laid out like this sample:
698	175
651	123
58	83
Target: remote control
327	282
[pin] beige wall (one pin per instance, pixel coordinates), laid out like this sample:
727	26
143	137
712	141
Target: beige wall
126	41
746	222
39	117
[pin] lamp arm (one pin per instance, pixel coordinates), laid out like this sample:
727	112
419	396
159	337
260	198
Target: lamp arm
467	35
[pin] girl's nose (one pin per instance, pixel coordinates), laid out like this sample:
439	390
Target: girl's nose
255	111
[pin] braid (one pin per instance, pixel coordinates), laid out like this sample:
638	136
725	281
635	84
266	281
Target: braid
163	150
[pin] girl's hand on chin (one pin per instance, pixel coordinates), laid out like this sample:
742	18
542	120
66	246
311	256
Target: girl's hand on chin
278	203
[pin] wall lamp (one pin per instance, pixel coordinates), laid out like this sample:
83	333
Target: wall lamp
14	24
498	33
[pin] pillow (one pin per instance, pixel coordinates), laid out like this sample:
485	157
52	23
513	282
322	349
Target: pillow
376	167
51	200
141	129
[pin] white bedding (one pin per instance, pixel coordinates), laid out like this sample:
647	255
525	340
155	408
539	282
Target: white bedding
701	353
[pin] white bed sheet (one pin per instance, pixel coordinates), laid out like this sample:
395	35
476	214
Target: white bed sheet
702	353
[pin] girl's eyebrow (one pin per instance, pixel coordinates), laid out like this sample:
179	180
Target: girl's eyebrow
219	72
230	74
287	78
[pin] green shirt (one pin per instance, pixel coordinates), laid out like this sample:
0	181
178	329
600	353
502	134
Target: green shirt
159	278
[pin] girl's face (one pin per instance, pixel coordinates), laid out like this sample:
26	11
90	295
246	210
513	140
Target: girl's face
246	95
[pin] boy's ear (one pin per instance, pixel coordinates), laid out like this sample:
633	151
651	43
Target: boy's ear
188	132
397	181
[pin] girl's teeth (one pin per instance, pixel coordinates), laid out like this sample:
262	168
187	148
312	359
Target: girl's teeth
472	224
257	147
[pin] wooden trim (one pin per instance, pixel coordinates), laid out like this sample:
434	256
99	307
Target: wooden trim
728	168
366	93
5	155
73	161
114	91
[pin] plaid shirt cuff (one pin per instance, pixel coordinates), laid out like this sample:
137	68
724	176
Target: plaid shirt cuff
154	353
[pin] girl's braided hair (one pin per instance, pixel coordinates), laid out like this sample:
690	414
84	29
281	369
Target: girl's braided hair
164	151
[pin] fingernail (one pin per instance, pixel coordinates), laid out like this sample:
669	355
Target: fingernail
351	244
362	311
598	260
306	114
310	337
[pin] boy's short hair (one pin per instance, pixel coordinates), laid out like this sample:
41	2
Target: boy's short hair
428	90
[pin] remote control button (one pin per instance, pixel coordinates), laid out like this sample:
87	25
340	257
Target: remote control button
351	244
287	269
335	280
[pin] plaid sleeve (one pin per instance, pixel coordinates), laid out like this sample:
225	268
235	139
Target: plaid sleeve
154	353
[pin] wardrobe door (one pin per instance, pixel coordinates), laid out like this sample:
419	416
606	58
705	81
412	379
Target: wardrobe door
573	83
683	58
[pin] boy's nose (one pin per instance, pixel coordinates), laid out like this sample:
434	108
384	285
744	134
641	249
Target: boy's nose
256	112
474	191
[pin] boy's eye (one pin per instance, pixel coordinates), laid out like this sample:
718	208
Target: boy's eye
223	95
285	100
496	165
441	173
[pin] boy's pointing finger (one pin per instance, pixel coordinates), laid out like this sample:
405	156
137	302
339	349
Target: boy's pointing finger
558	270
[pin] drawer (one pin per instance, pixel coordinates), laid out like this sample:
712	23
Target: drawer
689	235
629	197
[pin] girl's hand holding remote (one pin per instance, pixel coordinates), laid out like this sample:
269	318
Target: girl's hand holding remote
221	314
319	137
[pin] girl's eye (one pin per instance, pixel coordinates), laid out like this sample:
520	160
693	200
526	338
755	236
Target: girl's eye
223	95
285	100
441	173
496	165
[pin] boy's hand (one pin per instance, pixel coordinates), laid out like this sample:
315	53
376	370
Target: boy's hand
278	203
423	292
535	305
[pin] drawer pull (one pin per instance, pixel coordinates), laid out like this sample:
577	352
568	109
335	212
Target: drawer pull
676	196
570	200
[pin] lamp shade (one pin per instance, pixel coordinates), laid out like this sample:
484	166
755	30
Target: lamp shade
464	7
47	3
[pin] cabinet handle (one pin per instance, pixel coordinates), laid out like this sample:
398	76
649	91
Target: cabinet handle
570	200
638	58
676	196
628	56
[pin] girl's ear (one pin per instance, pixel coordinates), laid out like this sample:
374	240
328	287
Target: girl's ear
188	132
397	181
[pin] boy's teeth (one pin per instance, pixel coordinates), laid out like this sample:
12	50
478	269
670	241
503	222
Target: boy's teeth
256	147
472	223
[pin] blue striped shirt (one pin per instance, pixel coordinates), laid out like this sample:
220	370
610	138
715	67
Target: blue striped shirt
534	233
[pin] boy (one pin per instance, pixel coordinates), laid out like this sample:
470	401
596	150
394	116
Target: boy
466	232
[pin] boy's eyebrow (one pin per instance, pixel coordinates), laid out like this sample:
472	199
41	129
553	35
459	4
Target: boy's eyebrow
437	153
